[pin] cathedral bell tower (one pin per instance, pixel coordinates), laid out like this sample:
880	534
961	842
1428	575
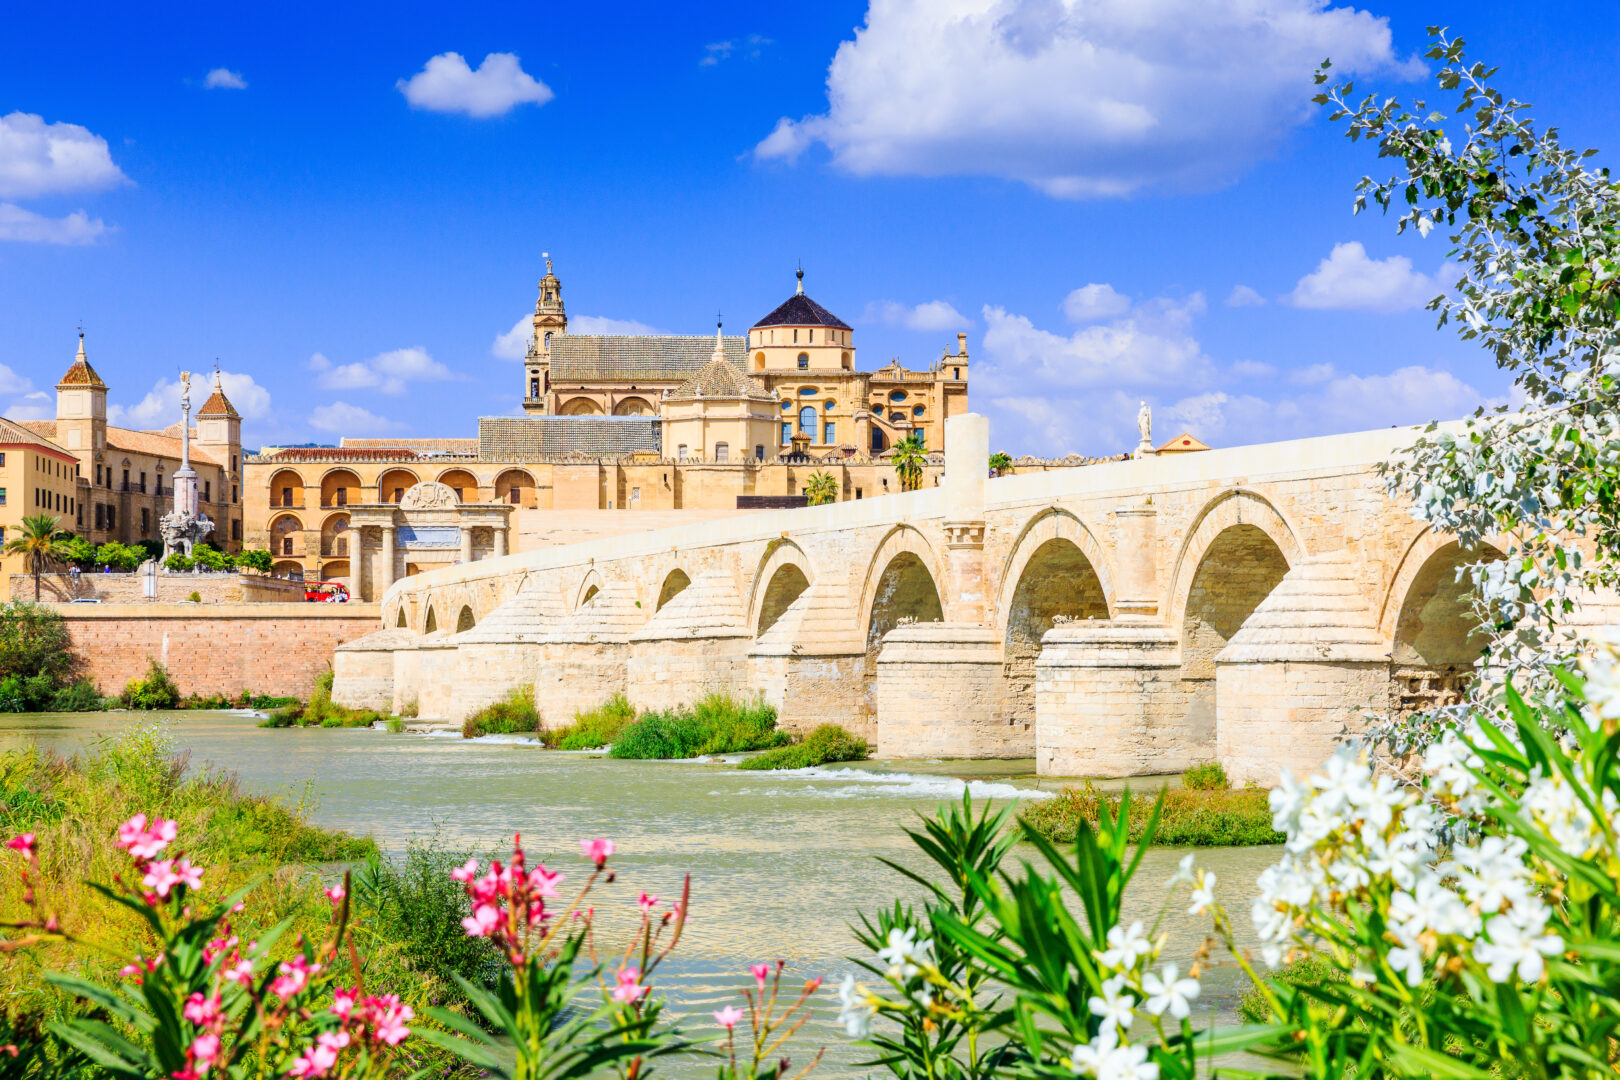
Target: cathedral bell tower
550	317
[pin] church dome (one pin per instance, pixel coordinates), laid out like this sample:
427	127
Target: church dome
800	310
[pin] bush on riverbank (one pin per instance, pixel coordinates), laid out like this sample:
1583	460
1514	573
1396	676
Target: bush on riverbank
36	658
592	729
321	711
827	743
718	724
1222	817
156	691
513	714
1206	776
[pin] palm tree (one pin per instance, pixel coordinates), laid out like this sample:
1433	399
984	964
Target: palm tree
39	543
1000	462
820	488
909	458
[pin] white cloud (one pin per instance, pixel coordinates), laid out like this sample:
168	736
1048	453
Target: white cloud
341	418
1092	303
388	372
1253	369
1348	280
598	324
715	52
749	48
1310	376
161	405
13	383
1243	296
35	406
1080	98
224	79
27	227
37	158
932	316
514	344
499	85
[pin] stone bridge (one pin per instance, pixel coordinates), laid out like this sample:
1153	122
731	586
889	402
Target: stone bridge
1118	619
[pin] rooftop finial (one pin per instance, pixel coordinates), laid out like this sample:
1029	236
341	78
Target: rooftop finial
719	342
546	255
800	275
81	343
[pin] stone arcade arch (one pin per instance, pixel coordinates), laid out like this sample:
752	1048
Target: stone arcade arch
674	583
462	482
286	488
515	486
430	624
1429	619
340	487
401	621
1239	568
1052	571
1236	507
393	484
580	406
284	532
337	570
787	583
900	584
589	587
634	406
465	620
335	537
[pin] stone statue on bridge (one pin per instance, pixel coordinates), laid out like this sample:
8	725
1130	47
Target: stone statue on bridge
1144	425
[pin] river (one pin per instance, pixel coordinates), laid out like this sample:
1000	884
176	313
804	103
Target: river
780	863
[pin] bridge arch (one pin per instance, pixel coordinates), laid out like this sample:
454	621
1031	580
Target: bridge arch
784	574
465	621
675	583
1056	567
1236	508
901	583
1428	619
589	586
430	624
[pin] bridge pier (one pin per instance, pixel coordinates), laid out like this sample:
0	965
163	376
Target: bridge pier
1110	701
940	693
502	652
584	657
697	644
811	663
363	669
1304	669
436	697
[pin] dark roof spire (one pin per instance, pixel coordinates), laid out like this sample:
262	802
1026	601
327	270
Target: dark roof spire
799	291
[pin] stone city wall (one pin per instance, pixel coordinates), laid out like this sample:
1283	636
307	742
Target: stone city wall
173	588
266	648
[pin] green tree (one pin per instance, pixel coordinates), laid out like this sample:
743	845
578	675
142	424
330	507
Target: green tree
254	559
210	558
909	458
1000	462
119	556
821	488
33	642
39	542
79	551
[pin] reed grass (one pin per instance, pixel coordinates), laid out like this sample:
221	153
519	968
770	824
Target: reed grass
594	728
1223	817
513	714
718	724
826	743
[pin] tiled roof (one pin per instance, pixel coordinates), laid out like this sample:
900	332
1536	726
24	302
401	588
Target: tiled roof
720	379
153	444
13	434
439	445
80	373
218	405
526	438
800	310
342	453
624	358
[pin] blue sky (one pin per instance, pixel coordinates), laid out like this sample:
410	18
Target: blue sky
1115	199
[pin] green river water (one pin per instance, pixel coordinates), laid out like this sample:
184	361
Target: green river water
780	863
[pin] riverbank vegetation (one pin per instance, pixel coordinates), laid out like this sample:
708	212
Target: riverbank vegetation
827	743
718	724
592	729
513	714
321	711
1204	812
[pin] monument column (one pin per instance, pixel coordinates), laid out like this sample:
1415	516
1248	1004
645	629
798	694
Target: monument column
386	578
500	540
466	544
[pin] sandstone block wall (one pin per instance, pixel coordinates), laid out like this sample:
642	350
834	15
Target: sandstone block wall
172	588
1289	715
663	674
940	693
808	691
364	680
266	648
577	677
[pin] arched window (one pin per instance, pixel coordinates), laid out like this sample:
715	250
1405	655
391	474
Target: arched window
916	410
548	339
804	361
807	421
759	361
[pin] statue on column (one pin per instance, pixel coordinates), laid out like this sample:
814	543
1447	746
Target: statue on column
183	526
1144	425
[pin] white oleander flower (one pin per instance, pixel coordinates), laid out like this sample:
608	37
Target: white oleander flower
1203	894
1106	1058
1126	948
855	1012
1184	871
905	953
1407	960
1169	992
1494	874
1514	946
1115	1007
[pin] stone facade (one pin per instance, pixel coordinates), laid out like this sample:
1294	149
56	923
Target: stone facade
58	588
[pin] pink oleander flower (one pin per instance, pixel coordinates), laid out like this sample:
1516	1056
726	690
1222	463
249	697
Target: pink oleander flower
295	975
466	871
240	972
728	1017
387	1018
543	882
647	903
23	842
205	1049
162	877
483	921
217	946
761	972
343	1002
332	1040
315	1061
200	1010
629	986
188	875
597	850
140	967
336	895
488	887
144	843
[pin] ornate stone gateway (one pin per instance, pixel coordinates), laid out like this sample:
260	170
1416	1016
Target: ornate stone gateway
428	529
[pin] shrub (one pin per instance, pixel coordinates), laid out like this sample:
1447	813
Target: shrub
209	558
156	691
512	714
81	696
829	742
177	563
409	709
396	726
119	556
718	724
254	559
34	641
195	597
1205	776
598	727
1222	818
